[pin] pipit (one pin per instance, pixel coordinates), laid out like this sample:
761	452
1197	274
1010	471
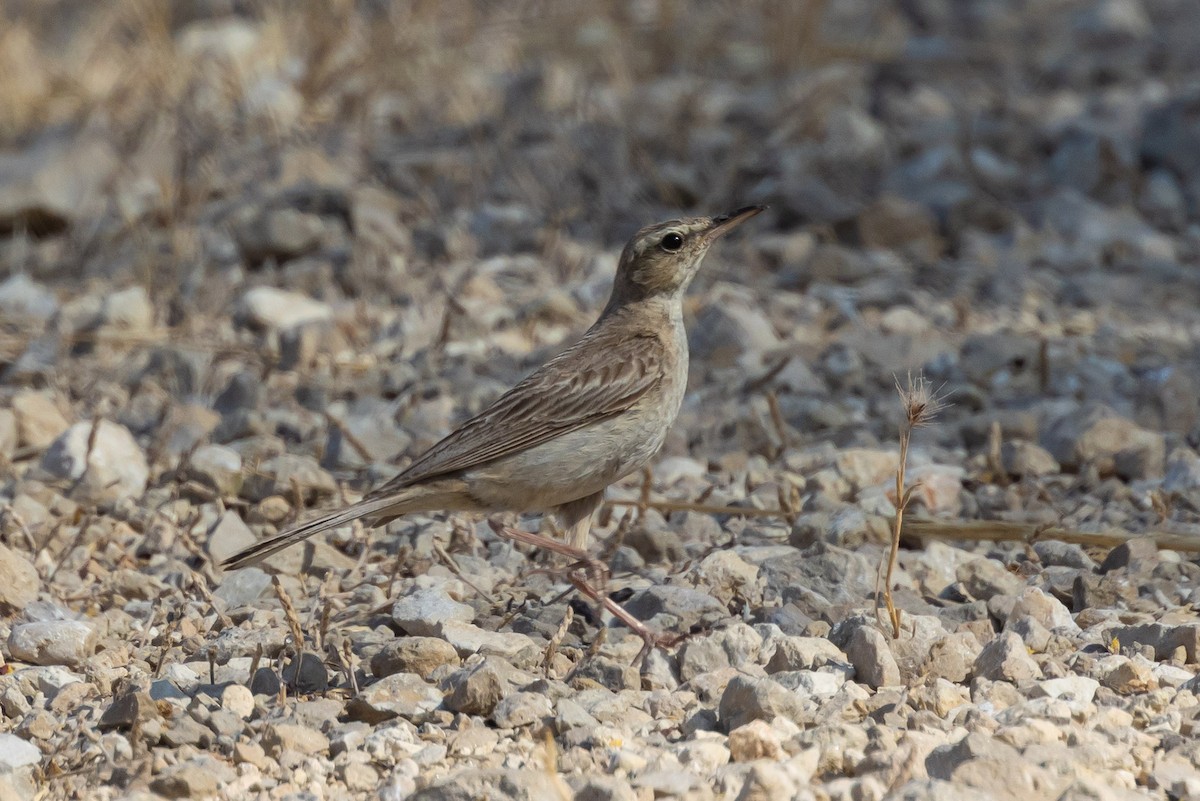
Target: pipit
598	411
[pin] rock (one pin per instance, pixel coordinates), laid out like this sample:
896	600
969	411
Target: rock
51	184
656	543
1073	688
1062	554
53	642
676	608
865	467
200	777
103	458
477	688
39	420
217	467
278	234
1127	676
17	753
426	611
1045	609
128	310
273	309
127	710
727	577
286	474
1137	556
984	578
522	709
306	674
872	658
493	784
242	587
1021	458
945	760
228	536
754	740
1006	659
1164	639
467	639
895	223
9	435
748	699
238	699
19	581
766	781
22	297
1111	22
419	655
1035	636
604	788
803	653
729	328
1096	435
281	737
398	695
820	575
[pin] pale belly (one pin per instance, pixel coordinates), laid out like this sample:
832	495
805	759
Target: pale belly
573	465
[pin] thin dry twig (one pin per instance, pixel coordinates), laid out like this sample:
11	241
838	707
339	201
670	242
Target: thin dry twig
1010	531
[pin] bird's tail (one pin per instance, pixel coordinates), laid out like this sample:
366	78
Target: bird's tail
368	507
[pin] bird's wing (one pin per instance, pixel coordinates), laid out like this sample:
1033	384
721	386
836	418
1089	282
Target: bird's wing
597	378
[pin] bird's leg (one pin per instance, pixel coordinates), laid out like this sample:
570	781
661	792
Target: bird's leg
651	638
582	560
588	574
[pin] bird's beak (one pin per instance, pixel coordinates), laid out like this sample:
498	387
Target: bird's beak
724	223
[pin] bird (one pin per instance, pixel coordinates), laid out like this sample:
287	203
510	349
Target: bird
597	411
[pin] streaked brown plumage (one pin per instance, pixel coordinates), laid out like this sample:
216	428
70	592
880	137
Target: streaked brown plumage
596	412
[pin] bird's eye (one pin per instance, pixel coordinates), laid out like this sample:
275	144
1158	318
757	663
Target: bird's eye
671	242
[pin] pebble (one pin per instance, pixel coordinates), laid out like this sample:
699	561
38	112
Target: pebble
399	695
218	467
276	309
413	654
103	457
40	421
746	699
874	665
754	740
17	753
53	642
986	578
281	737
475	689
1006	659
19	580
424	612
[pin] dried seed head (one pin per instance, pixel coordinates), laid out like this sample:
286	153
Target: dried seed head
922	403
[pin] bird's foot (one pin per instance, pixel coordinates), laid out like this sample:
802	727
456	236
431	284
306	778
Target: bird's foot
651	637
589	576
597	572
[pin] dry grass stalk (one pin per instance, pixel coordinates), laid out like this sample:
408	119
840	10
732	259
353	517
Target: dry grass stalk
1010	531
921	404
556	640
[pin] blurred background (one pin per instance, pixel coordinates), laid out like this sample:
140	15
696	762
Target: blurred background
401	207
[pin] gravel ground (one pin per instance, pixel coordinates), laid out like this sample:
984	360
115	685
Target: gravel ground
253	260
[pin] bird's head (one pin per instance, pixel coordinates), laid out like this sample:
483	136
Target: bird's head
661	260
